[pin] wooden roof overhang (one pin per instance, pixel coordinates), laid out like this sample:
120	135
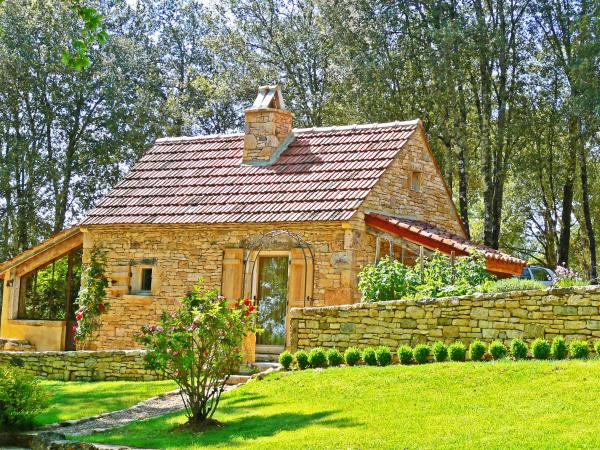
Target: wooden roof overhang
496	262
46	251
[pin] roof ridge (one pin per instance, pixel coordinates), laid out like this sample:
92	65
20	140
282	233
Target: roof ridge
363	126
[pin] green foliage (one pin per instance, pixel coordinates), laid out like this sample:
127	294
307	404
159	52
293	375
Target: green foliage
540	349
405	354
301	358
21	398
334	357
286	359
317	358
559	348
384	355
439	351
421	353
498	350
579	349
390	279
518	348
199	346
92	297
511	284
457	351
597	347
476	350
369	356
352	356
92	32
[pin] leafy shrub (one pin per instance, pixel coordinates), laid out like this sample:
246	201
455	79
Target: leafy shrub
579	349
390	279
421	353
286	359
352	356
597	347
540	349
301	358
405	354
199	346
21	398
334	357
498	350
369	356
457	351
384	355
511	284
566	277
317	358
559	349
518	348
440	351
476	350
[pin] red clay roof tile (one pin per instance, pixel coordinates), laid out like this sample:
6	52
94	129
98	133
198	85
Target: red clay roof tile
324	174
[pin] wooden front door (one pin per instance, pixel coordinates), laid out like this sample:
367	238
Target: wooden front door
272	299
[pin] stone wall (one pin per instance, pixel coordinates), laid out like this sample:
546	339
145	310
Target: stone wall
570	312
82	365
185	253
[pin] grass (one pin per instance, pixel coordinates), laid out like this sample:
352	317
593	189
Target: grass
72	400
504	404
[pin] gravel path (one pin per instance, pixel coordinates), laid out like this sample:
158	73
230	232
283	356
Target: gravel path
152	407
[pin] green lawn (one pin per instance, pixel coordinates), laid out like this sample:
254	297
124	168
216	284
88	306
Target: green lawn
528	404
72	400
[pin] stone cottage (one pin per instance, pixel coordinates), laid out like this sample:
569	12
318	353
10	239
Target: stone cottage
284	215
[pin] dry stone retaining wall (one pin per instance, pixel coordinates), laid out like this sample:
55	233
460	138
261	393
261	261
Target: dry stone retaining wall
570	312
82	365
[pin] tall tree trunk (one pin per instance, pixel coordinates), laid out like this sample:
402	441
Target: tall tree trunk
587	214
567	203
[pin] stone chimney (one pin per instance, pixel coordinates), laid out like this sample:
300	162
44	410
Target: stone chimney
268	127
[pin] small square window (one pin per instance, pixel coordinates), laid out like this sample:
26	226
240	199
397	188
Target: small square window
146	280
415	182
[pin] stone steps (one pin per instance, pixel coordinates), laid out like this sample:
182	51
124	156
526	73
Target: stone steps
16	345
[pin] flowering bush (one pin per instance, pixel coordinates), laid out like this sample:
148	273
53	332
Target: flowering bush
92	298
566	277
198	347
389	279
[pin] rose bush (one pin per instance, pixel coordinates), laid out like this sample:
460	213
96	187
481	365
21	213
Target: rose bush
199	346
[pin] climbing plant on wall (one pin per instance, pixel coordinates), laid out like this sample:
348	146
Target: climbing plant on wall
92	298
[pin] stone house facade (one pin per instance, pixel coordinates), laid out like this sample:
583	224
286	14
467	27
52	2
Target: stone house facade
285	216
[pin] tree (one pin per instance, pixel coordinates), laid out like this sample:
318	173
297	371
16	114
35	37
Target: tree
198	347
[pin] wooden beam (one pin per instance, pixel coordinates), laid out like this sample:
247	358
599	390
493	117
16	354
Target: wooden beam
49	254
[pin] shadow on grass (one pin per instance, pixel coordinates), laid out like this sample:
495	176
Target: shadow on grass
235	433
245	400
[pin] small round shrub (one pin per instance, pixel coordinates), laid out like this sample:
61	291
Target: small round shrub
457	351
352	356
597	347
518	348
21	398
369	356
579	349
405	354
439	351
559	348
286	359
498	350
476	350
384	355
421	353
317	358
334	357
540	349
301	358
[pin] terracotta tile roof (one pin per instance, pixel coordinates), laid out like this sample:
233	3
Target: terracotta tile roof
324	174
445	241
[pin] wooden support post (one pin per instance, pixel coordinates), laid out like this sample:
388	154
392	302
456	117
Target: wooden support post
421	263
377	249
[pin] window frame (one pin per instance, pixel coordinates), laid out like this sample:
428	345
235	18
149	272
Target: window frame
418	176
